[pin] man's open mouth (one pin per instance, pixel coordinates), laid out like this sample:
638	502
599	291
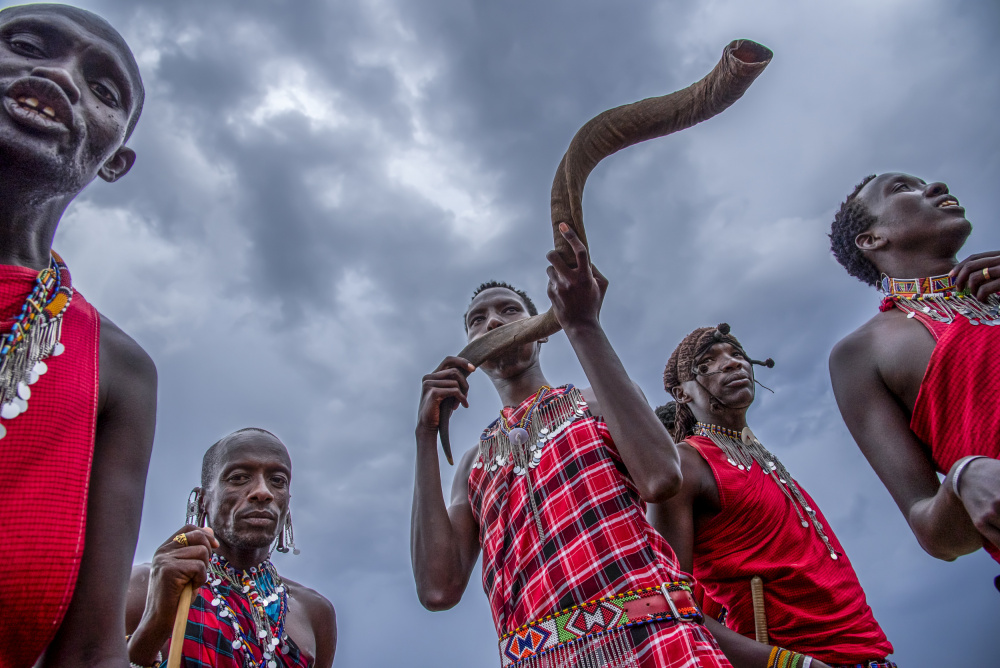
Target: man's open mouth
39	103
947	201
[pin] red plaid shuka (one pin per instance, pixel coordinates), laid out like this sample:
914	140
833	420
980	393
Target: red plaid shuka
208	640
955	413
597	540
47	455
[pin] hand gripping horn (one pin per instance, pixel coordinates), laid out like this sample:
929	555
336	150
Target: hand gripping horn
607	133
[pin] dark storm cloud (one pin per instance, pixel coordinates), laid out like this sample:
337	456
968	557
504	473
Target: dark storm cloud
321	185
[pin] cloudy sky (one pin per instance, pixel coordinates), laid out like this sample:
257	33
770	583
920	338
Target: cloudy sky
320	186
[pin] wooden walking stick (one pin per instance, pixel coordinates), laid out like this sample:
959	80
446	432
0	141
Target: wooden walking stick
607	133
759	614
180	624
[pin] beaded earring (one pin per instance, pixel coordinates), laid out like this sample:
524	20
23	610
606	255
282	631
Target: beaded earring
286	537
193	513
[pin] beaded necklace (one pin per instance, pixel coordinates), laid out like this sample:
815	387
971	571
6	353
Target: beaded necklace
522	444
263	588
742	449
937	298
34	336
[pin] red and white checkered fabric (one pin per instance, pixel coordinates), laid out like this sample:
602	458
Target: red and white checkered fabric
597	541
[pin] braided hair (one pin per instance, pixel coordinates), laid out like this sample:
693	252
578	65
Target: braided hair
678	418
852	219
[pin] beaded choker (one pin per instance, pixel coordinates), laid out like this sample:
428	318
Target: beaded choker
742	449
32	338
936	298
263	588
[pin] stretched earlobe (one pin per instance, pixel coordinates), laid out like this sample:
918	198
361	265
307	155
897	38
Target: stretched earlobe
118	165
195	513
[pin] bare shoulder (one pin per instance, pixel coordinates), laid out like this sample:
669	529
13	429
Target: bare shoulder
320	609
123	357
460	486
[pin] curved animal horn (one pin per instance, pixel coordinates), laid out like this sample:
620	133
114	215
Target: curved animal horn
607	133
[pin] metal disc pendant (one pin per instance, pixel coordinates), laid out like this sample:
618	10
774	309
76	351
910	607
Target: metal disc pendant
518	436
730	460
805	525
741	467
58	349
3	431
40	368
9	411
833	555
911	314
747	436
23	390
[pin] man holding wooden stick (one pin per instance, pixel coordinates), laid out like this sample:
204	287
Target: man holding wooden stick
740	516
243	612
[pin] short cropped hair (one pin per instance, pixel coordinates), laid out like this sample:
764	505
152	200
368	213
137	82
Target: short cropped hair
852	219
213	456
530	305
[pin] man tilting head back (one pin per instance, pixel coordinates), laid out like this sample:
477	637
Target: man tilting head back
77	395
243	613
917	384
740	514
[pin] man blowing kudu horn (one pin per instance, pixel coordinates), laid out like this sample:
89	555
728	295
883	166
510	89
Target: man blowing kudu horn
243	612
77	395
554	494
917	384
740	514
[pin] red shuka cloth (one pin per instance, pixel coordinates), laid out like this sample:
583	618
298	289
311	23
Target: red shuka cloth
47	454
208	640
815	605
956	412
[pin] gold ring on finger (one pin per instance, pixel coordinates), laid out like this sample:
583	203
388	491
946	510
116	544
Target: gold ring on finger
986	273
182	539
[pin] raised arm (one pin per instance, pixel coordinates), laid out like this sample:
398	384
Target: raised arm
645	447
126	414
444	539
881	427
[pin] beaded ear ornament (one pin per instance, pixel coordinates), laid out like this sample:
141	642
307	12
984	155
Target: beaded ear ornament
936	298
34	336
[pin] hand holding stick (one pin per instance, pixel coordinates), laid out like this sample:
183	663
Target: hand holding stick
180	624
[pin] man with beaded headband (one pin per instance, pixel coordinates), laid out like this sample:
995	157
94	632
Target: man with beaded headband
243	614
740	515
917	384
554	496
77	395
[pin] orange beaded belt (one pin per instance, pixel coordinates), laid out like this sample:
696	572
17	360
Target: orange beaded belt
672	601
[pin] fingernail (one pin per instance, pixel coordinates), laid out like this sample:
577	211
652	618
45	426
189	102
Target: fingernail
471	368
563	227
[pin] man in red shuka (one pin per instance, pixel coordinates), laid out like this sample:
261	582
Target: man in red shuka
77	395
917	384
740	514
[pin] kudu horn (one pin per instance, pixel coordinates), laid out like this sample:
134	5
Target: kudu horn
607	133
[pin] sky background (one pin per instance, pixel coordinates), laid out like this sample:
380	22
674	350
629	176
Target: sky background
321	185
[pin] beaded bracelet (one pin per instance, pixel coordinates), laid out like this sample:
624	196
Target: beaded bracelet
783	658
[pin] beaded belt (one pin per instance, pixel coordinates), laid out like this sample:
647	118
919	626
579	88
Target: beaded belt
672	601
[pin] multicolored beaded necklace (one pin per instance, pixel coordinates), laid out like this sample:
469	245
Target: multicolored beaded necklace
521	445
742	449
268	598
937	298
34	336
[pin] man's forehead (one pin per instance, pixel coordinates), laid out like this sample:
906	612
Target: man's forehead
719	348
69	18
256	448
495	294
876	186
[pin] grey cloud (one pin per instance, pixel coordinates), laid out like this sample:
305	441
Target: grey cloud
321	185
